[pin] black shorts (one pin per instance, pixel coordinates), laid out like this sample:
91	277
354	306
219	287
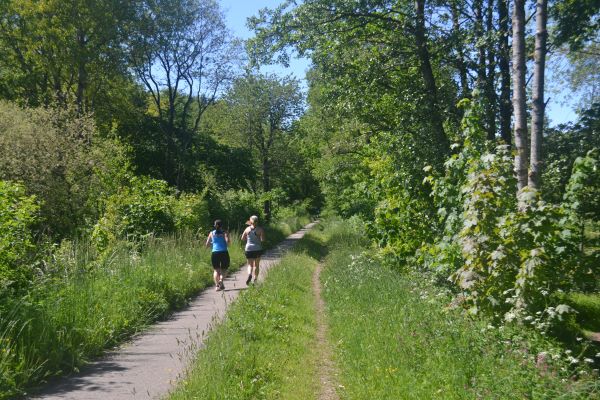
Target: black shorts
254	254
220	259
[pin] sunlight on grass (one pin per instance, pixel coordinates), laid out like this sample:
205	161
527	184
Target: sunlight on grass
263	349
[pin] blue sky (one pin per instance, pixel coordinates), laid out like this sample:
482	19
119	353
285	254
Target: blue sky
237	11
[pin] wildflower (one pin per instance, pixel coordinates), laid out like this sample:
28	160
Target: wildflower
572	360
588	360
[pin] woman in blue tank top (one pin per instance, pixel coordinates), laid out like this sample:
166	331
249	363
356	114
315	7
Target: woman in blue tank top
254	236
219	239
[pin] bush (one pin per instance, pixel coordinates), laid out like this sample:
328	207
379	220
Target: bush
52	151
145	207
18	212
191	212
234	207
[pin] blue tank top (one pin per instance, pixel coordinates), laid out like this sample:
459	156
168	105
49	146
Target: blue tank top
218	241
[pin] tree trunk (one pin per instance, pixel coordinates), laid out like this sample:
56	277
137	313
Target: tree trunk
503	64
81	72
537	115
519	96
478	31
266	178
429	80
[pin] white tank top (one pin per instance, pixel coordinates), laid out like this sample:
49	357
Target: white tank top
253	242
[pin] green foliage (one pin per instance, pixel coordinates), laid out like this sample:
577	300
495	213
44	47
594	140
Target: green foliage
234	207
55	153
576	21
443	256
488	197
67	51
145	207
562	146
506	261
191	212
18	213
583	190
582	200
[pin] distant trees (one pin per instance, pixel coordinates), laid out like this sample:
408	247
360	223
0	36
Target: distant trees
263	108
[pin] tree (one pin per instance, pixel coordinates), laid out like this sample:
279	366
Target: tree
537	115
504	66
368	51
64	51
184	56
519	96
56	155
263	109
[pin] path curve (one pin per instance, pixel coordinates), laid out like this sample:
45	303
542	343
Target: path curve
147	367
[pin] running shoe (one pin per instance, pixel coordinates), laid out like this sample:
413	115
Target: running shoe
221	285
248	280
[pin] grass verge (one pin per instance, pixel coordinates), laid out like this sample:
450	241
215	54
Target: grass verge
74	315
405	344
263	348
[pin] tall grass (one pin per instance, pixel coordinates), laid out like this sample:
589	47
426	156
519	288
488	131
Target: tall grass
404	343
82	309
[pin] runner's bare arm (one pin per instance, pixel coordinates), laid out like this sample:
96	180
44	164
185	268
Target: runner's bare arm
208	240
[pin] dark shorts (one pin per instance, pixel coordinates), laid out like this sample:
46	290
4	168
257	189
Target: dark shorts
220	259
254	254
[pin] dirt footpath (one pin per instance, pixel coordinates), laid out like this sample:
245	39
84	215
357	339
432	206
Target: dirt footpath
148	367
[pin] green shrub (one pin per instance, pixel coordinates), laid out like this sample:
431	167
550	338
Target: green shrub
191	212
59	159
145	207
234	207
18	212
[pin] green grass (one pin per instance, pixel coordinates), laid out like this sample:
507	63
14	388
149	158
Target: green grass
264	348
403	343
587	306
79	312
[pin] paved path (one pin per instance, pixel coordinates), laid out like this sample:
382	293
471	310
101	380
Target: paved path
147	367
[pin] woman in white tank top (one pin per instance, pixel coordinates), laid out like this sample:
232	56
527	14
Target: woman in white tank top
254	236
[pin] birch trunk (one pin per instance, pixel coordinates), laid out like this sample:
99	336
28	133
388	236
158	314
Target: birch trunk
537	115
519	96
